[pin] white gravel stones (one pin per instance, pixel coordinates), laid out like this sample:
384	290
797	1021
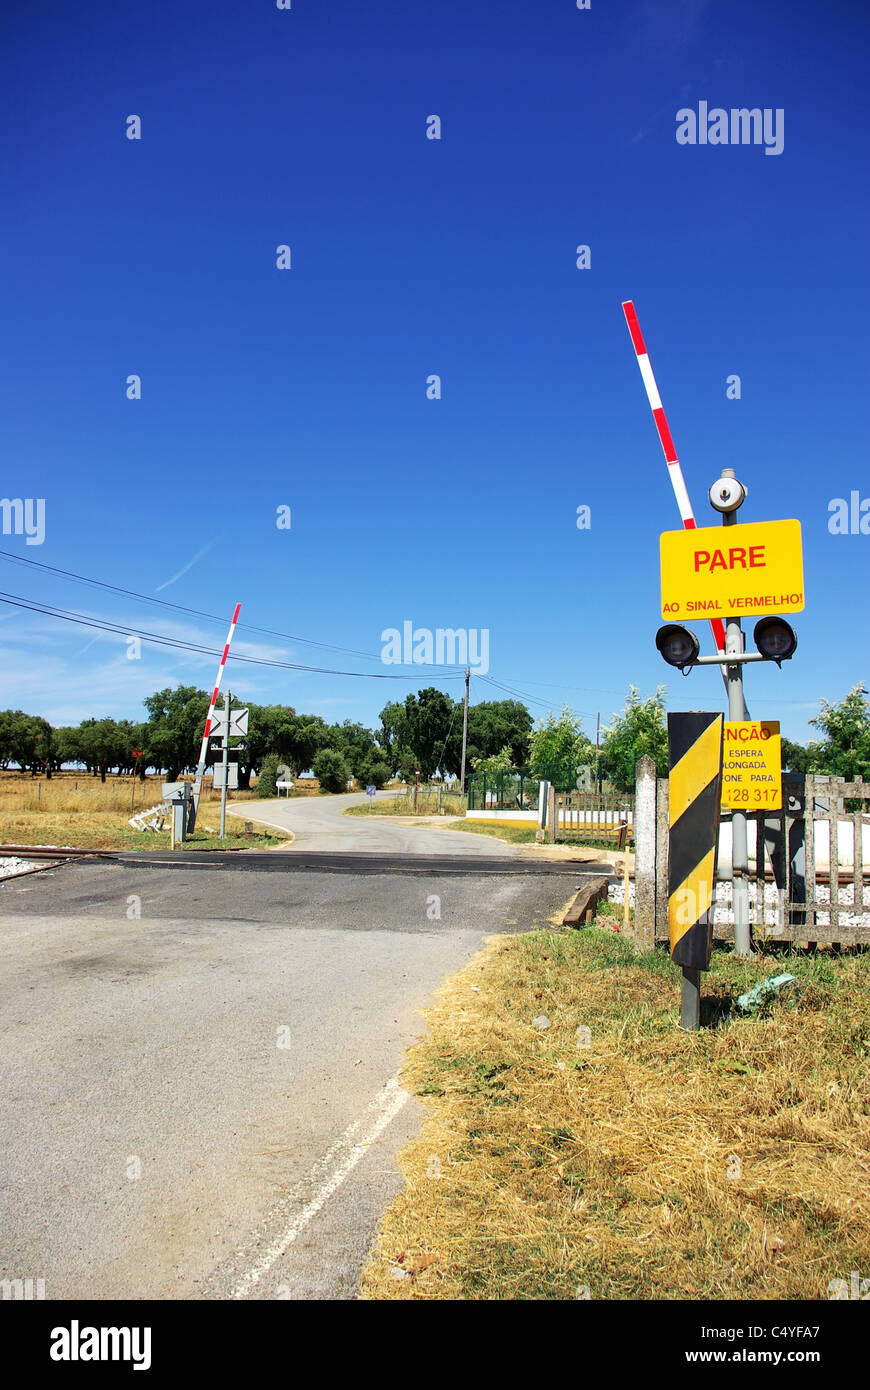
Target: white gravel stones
773	912
10	867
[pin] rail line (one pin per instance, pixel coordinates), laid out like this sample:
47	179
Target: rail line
51	852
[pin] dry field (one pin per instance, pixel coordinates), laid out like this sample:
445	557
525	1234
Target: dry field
78	810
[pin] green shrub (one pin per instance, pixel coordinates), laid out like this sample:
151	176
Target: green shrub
373	775
267	777
331	770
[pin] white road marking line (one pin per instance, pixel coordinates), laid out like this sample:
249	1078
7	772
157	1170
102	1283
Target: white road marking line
338	1162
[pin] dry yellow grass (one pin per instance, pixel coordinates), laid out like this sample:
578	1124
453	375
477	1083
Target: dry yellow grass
650	1164
74	809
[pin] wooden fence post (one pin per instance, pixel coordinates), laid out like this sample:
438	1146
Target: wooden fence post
645	854
663	788
551	815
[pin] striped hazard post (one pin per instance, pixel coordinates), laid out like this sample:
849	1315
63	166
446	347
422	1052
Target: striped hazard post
203	752
695	759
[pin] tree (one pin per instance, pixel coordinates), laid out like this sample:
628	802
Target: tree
175	727
104	744
26	739
267	730
374	774
331	770
495	724
67	746
845	751
300	740
389	736
499	762
558	748
425	726
356	744
639	731
797	758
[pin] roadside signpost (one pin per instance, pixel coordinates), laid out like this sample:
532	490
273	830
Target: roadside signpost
370	793
226	724
752	570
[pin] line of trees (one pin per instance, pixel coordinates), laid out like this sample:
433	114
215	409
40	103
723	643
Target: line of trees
559	748
421	734
425	733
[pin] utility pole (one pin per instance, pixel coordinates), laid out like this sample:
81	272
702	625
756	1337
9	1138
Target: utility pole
227	700
464	731
597	732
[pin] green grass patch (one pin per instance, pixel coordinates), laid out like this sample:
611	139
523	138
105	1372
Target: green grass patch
514	832
427	805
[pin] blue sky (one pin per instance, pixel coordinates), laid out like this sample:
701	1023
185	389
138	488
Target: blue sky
306	388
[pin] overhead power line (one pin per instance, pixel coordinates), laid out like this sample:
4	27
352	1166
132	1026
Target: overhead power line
103	625
522	695
75	578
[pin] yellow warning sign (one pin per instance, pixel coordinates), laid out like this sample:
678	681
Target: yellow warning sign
752	765
744	571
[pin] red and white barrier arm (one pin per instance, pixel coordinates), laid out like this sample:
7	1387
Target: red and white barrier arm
658	413
203	752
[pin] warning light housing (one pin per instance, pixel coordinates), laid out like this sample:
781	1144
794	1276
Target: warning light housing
775	639
677	645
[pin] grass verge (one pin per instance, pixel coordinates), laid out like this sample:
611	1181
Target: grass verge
519	834
632	1161
427	805
515	834
106	830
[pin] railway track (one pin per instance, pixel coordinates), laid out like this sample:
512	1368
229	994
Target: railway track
57	853
51	852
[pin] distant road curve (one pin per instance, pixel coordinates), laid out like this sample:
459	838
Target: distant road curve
319	823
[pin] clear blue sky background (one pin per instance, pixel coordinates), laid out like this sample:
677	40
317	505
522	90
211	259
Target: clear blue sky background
410	257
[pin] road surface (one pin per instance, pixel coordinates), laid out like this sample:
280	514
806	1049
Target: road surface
319	822
198	1088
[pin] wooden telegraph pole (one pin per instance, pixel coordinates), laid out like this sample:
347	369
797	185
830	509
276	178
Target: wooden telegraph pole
597	740
464	731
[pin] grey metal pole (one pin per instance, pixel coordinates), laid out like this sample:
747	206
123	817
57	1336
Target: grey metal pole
690	1000
227	699
739	842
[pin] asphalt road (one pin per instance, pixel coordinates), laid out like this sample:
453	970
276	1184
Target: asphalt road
198	1087
319	823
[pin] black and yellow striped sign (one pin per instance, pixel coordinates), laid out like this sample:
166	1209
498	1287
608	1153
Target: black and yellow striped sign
695	754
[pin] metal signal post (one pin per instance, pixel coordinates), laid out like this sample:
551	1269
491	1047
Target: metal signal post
773	636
